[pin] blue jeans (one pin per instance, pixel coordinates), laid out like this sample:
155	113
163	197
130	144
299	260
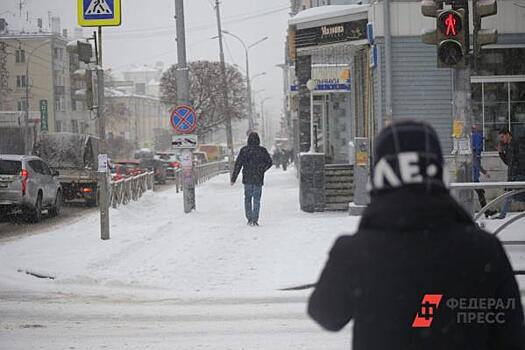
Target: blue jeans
505	208
252	202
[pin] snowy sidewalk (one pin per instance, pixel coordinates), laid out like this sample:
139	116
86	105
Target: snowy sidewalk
158	251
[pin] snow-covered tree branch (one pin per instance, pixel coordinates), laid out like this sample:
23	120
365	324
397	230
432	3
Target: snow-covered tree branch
206	93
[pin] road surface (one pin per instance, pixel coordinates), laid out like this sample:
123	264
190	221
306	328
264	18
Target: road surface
13	227
71	322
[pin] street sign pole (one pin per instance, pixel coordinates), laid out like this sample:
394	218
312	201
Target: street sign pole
100	13
103	179
183	93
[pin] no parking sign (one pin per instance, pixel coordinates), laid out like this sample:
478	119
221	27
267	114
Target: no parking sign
183	119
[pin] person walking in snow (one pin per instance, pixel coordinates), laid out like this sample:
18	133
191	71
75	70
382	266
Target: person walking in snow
254	160
477	167
416	257
512	152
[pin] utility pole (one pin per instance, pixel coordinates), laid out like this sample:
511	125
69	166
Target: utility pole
103	179
183	98
463	119
251	123
462	113
26	114
226	108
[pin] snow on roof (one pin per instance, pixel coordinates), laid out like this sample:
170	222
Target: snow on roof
20	24
141	69
326	12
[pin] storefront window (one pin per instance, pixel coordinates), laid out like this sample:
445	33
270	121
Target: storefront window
497	105
496	112
517	108
477	104
501	61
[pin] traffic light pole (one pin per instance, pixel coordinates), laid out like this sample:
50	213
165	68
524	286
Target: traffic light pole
183	97
452	37
103	179
462	114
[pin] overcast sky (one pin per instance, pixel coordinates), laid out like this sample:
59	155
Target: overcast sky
147	34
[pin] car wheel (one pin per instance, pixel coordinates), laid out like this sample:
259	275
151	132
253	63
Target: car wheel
35	214
55	210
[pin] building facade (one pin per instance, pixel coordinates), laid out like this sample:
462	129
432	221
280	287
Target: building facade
411	85
37	75
136	118
419	90
393	75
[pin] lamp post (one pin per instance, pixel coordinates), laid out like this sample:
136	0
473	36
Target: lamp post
252	100
311	86
248	84
263	120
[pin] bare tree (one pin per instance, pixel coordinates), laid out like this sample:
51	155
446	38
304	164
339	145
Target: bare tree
206	95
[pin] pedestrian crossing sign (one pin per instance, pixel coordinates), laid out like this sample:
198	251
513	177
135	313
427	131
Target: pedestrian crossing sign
99	13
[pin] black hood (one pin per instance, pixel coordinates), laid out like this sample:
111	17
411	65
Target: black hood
409	209
253	139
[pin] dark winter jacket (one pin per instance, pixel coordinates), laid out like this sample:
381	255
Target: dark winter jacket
513	155
408	245
254	161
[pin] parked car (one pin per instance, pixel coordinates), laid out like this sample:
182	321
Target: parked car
171	163
149	162
157	167
125	167
200	158
28	185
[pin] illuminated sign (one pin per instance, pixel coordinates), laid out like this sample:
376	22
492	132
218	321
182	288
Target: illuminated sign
450	23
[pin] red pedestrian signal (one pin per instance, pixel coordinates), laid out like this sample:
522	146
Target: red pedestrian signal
450	23
452	38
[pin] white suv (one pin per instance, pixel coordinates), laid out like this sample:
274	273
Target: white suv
27	184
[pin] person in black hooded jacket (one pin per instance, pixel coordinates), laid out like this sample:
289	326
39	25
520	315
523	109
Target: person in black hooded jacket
254	161
419	273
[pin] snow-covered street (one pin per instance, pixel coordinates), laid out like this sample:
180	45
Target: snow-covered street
167	280
157	250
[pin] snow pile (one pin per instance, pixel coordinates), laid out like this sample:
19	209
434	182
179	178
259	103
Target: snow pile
156	250
325	12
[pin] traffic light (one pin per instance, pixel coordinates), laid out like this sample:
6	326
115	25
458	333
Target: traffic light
87	76
430	8
480	9
452	38
82	49
451	34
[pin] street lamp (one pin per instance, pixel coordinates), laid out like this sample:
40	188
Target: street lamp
257	76
310	84
263	121
248	84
